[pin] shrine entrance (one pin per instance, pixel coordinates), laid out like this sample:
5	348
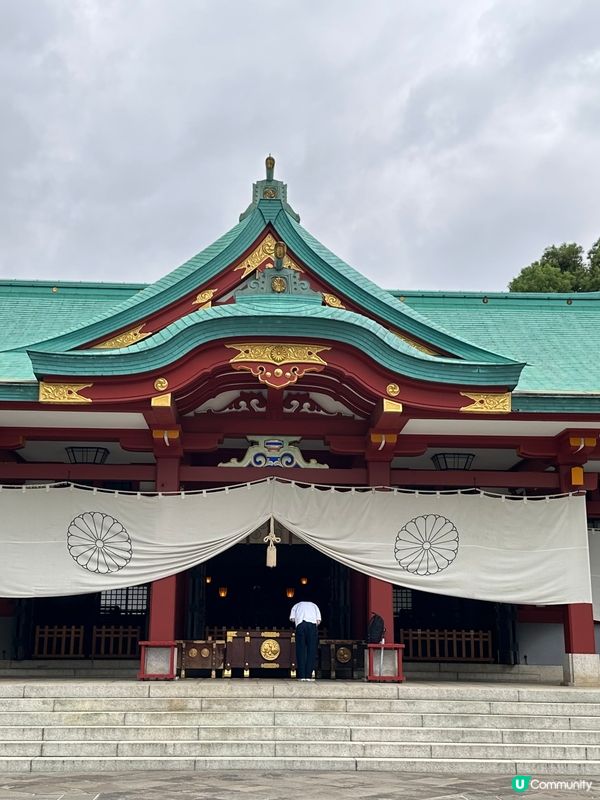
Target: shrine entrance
237	591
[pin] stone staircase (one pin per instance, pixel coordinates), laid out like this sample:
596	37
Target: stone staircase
67	725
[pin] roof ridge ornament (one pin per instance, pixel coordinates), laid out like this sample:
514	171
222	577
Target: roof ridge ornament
269	190
279	281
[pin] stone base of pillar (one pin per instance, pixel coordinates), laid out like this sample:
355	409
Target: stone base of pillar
581	669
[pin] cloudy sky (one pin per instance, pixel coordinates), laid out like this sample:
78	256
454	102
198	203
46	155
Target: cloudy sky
432	144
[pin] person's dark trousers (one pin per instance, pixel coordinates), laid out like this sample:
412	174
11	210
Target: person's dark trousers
306	648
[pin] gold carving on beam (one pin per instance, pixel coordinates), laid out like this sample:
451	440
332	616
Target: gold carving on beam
264	251
332	300
161	401
292	361
392	406
160	384
270	649
124	339
393	389
278	353
416	344
487	403
203	299
63	392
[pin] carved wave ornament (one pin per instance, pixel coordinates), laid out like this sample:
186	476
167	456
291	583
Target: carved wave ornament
273	451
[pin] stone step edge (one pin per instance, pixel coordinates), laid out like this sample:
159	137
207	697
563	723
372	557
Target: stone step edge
297	742
511	767
296	727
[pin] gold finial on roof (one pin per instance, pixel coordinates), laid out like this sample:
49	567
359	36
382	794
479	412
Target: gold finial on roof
270	165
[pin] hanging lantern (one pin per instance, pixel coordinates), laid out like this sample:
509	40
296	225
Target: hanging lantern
303	581
271	540
208	579
290	591
222	591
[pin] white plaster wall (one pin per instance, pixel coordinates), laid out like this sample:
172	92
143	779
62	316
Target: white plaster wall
542	643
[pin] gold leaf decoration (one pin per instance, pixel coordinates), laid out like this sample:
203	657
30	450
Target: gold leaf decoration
160	384
332	300
204	298
279	284
265	250
63	392
124	339
417	345
393	389
278	353
499	403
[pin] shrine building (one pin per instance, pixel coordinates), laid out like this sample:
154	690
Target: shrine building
265	355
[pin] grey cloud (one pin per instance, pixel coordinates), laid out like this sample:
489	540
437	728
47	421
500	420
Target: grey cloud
430	144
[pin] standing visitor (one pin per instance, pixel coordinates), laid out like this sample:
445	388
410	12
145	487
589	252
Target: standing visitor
306	617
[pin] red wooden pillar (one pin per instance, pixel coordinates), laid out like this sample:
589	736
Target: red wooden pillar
380	594
578	618
579	628
165	621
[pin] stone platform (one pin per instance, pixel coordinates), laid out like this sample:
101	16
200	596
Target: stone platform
433	728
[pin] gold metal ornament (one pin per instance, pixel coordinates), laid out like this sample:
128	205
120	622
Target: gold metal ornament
63	392
343	655
392	389
261	253
278	353
499	403
279	284
417	345
192	652
270	649
125	339
269	193
205	652
392	406
160	384
332	300
204	298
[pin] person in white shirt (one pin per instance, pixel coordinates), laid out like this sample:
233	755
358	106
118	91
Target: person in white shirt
306	617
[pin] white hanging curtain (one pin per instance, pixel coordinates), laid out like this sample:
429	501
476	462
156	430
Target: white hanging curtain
594	539
69	540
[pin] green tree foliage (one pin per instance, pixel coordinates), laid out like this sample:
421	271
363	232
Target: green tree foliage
562	268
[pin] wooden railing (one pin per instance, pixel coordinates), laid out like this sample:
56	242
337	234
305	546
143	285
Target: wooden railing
58	641
446	645
115	641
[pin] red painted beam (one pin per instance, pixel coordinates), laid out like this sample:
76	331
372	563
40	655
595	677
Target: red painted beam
74	472
347	477
484	478
241	425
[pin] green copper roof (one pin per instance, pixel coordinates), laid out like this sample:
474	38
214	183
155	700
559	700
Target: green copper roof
29	309
271	317
557	335
489	337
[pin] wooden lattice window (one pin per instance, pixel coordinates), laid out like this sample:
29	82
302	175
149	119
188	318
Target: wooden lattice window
129	601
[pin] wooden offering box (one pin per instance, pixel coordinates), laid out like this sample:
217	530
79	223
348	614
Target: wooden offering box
207	656
259	651
341	658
